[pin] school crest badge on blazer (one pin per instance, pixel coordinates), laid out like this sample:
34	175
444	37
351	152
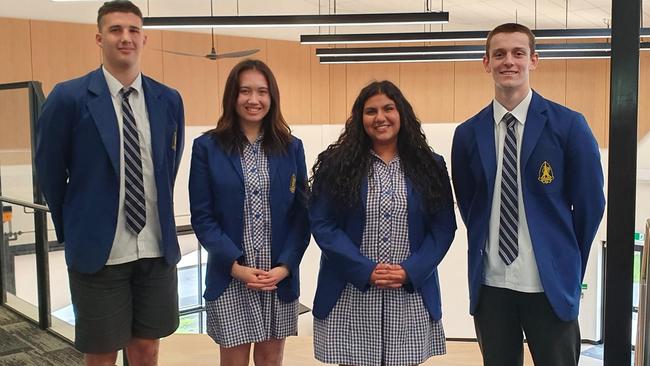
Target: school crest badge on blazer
292	184
545	173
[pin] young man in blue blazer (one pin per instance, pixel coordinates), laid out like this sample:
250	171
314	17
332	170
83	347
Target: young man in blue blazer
529	186
108	149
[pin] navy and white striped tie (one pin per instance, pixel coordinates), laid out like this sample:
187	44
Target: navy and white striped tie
134	203
509	215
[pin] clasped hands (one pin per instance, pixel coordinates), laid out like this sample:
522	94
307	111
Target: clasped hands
257	279
388	276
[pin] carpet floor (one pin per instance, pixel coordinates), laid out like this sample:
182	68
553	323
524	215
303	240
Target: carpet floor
22	343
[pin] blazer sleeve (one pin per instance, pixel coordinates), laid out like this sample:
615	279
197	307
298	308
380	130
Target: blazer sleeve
461	175
180	132
585	185
53	141
344	256
203	216
298	236
419	266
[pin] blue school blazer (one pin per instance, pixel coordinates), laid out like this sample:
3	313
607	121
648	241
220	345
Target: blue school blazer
78	165
217	194
563	213
338	233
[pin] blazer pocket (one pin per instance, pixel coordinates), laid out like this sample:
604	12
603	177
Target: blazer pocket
545	171
567	272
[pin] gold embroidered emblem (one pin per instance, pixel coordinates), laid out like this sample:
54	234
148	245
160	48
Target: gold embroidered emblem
292	184
545	173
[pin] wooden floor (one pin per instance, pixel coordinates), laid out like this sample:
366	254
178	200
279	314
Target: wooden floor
199	350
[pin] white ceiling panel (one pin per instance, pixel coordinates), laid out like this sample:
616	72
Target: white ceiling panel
464	14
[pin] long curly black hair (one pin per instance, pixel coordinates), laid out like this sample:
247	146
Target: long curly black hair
340	169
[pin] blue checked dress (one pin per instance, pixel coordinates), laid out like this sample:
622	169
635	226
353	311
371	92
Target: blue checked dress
381	326
241	315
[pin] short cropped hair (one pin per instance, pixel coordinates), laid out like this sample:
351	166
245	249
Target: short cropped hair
511	28
117	6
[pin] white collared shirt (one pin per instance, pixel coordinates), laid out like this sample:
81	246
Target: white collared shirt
128	247
522	274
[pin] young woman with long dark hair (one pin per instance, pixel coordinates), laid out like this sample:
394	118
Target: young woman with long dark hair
382	213
248	183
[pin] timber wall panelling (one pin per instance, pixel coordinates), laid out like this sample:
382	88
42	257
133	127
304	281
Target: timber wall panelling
429	87
15	43
14	127
311	93
644	95
15	66
338	93
320	90
195	78
587	91
473	89
290	63
549	80
152	57
62	51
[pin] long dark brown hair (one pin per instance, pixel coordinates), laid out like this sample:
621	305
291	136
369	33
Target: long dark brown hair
340	169
277	133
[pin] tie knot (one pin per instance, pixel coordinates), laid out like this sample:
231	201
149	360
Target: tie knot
126	92
509	119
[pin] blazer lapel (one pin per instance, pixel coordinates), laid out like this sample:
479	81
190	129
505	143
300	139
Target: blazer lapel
235	161
414	203
535	122
274	162
156	110
364	193
100	105
484	130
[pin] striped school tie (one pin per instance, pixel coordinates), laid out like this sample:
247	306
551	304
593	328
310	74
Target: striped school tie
509	215
134	203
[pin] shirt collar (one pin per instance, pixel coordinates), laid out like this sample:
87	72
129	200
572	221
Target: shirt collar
257	141
114	85
520	111
374	154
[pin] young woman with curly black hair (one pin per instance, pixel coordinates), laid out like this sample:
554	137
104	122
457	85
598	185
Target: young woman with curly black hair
382	213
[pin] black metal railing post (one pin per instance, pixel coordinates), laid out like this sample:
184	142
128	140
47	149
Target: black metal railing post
621	188
40	217
4	254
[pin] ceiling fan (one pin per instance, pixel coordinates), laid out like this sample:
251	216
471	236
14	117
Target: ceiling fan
213	55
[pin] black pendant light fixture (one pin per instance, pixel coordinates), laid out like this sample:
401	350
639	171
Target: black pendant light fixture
264	21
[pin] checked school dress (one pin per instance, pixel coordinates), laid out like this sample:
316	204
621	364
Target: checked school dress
241	315
387	327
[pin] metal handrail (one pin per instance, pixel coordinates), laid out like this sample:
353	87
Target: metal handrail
18	202
35	99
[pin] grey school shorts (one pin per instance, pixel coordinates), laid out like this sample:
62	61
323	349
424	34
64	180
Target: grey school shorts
132	300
